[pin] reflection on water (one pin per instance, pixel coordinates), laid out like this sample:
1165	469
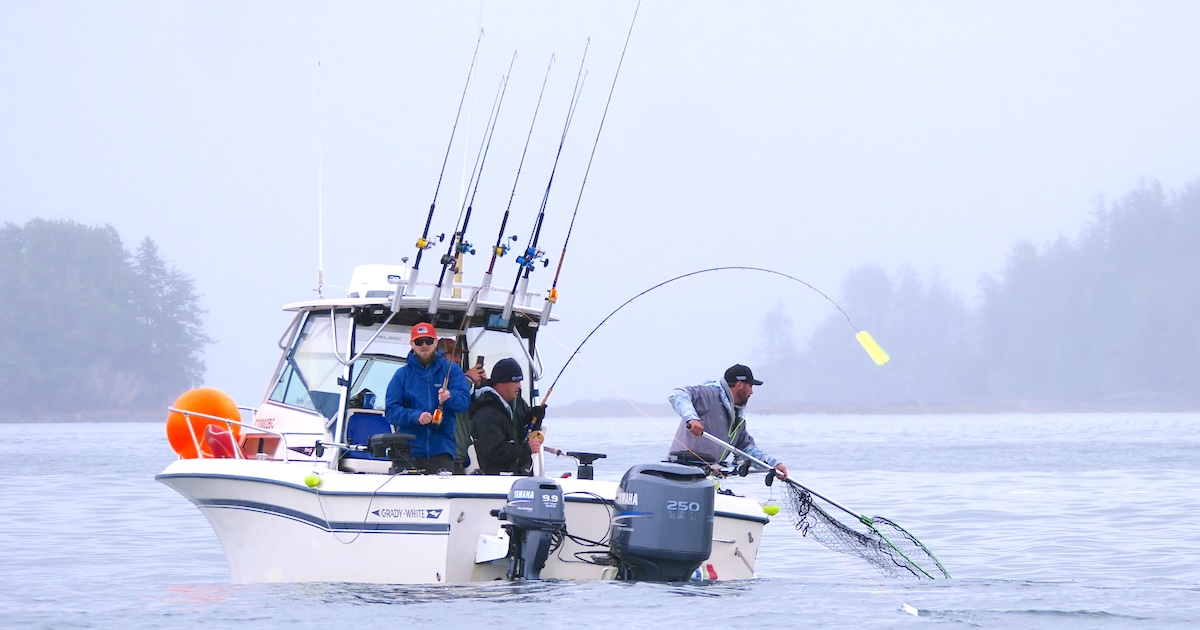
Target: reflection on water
548	592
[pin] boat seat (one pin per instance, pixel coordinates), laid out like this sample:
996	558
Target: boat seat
689	458
359	429
219	442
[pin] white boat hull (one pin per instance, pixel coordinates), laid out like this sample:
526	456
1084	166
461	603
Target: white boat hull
407	529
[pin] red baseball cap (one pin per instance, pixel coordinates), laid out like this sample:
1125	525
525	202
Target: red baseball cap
423	330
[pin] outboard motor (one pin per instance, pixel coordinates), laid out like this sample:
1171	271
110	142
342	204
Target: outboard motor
536	512
664	522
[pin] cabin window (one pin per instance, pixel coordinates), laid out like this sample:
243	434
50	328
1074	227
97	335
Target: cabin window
374	374
309	375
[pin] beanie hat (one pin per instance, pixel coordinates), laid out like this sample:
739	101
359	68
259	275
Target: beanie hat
507	371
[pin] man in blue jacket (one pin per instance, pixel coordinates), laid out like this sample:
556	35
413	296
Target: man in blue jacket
427	382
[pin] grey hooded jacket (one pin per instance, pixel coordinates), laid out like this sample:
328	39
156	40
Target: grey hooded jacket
712	404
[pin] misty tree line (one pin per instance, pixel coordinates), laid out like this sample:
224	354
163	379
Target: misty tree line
90	326
1106	319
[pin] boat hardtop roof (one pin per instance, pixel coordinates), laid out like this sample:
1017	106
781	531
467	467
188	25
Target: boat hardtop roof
410	303
373	287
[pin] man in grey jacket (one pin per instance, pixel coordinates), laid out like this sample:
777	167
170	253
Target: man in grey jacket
718	408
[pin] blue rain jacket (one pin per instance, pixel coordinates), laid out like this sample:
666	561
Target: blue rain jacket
413	390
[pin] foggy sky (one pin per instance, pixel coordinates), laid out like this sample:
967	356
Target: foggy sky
809	138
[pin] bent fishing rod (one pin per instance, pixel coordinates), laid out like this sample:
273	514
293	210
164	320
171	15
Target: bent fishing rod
424	243
501	248
526	261
552	295
864	338
458	243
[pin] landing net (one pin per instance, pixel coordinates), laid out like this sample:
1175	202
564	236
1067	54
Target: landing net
885	545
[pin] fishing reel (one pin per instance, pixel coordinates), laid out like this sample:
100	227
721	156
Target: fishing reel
500	250
531	256
425	243
464	247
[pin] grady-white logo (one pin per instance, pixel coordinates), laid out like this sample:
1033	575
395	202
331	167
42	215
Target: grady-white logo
406	513
627	498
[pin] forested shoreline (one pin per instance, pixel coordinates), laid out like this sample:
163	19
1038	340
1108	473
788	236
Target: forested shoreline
1099	322
91	329
1103	321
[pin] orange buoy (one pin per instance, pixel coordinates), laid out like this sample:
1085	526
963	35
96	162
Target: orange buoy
181	428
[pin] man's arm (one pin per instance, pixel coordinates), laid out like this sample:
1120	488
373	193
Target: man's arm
491	443
681	401
393	408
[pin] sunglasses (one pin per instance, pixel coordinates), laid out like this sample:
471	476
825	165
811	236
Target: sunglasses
424	341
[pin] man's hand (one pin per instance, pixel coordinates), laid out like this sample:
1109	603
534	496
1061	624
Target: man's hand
475	374
443	394
535	442
425	418
781	471
537	414
695	428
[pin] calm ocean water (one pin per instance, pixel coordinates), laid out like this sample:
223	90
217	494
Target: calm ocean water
1045	521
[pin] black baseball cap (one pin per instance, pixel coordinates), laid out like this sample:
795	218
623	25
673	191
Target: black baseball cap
740	373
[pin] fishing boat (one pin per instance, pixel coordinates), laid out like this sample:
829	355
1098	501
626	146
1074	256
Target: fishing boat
314	485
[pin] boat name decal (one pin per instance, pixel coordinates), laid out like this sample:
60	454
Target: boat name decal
407	513
627	498
265	423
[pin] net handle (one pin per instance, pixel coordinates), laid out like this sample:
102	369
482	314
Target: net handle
761	464
863	519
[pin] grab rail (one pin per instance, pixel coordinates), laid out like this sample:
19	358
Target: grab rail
238	454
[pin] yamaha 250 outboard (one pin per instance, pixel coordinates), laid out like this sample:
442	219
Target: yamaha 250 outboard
536	513
664	523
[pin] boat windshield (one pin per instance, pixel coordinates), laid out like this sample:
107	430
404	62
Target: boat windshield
372	374
308	377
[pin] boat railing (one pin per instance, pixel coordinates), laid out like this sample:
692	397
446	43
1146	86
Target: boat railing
229	424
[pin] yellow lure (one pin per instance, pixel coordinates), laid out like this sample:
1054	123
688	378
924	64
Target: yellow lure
877	354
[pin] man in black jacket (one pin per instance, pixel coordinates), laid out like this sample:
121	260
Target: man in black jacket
500	420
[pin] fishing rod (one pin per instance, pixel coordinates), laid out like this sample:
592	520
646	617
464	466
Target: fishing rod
501	248
424	243
437	413
526	261
458	243
552	295
864	338
872	523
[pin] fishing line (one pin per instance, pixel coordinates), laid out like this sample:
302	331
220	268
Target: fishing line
362	527
320	195
841	558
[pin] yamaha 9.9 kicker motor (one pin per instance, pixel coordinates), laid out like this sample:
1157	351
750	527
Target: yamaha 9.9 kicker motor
536	513
664	522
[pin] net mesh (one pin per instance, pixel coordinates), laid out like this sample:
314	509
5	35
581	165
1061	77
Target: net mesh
884	544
